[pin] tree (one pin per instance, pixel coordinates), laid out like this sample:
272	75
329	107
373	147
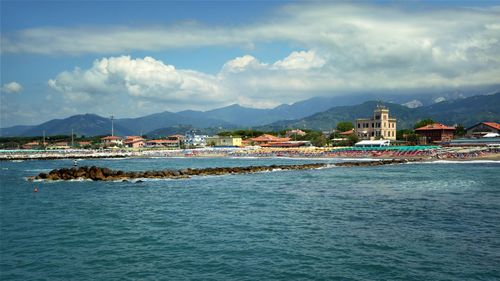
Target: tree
352	139
344	126
423	122
460	130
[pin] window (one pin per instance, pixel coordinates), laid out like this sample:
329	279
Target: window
359	125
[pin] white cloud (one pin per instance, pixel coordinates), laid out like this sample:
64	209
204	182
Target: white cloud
353	44
147	85
12	87
301	60
122	77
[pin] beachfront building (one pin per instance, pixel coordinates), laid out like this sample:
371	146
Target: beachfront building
373	143
379	126
111	141
134	142
482	129
84	143
192	139
173	144
224	141
175	140
34	145
435	133
267	140
58	145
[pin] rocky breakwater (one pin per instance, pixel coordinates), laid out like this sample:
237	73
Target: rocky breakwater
105	174
377	163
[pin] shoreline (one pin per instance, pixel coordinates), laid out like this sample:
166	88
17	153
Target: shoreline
449	154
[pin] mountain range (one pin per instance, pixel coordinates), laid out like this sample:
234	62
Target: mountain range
322	113
466	111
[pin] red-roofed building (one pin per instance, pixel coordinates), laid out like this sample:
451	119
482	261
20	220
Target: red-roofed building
483	128
112	141
267	139
84	143
347	133
162	143
436	133
133	142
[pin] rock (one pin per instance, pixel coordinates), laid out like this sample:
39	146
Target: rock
105	174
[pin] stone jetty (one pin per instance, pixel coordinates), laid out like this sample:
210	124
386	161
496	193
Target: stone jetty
105	174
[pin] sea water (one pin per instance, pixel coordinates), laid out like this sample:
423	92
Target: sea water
437	221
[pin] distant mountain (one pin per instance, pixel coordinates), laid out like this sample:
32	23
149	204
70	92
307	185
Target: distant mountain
15	130
145	124
413	104
83	124
313	113
466	111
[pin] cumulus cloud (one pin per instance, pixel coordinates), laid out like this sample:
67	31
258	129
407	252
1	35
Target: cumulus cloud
147	84
301	60
340	48
354	44
12	87
141	78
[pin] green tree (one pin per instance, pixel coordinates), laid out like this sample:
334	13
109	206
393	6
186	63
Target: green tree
344	126
423	122
352	139
460	130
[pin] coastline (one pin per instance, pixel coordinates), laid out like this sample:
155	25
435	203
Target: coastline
459	154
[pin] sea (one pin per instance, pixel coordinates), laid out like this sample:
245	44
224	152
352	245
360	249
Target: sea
417	221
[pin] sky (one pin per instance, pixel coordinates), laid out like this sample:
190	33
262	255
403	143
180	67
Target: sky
133	58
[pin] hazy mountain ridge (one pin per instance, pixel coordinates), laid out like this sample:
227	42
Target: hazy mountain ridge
314	113
466	111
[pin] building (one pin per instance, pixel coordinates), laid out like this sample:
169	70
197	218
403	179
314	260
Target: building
33	145
435	133
347	133
373	143
483	128
176	140
110	141
59	145
84	143
192	139
134	142
224	141
267	140
379	126
155	143
296	132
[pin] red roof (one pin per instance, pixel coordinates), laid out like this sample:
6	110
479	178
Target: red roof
269	138
129	141
492	124
111	138
435	126
347	133
157	141
162	141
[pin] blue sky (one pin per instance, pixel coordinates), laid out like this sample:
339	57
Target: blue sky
131	58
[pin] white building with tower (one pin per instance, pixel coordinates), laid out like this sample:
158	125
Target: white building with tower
379	126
